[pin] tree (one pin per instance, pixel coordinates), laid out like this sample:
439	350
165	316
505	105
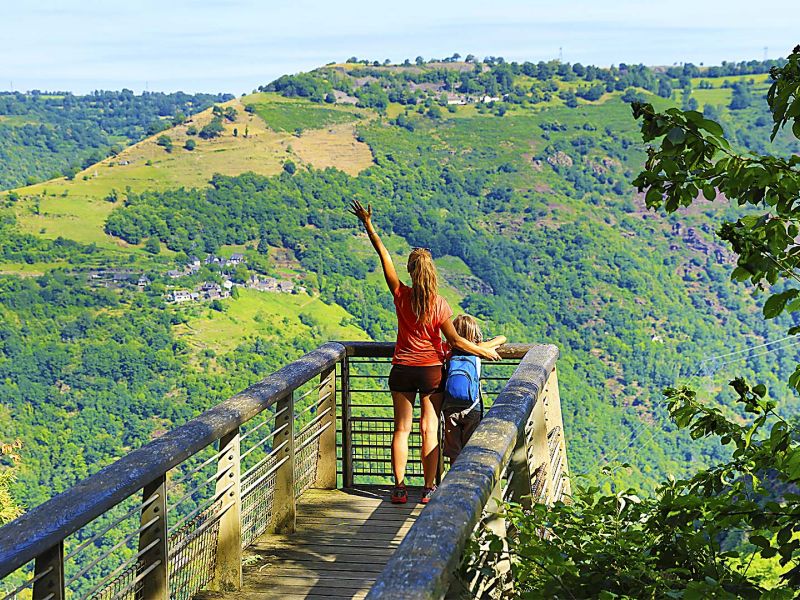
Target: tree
165	142
10	509
152	245
213	129
289	167
664	87
190	145
742	96
263	240
419	61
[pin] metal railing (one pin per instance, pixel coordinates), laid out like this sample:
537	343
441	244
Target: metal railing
172	517
517	453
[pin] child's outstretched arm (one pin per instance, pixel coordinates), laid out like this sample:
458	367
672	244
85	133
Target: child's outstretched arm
459	343
365	216
494	342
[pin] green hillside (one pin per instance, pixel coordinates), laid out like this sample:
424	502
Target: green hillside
44	135
517	176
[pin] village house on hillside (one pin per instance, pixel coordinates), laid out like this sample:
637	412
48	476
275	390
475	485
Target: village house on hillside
180	296
205	291
271	284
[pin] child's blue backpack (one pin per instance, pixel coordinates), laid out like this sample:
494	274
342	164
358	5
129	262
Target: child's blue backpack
463	387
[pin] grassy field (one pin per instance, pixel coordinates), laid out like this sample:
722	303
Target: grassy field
17	120
77	209
286	115
271	315
761	81
29	270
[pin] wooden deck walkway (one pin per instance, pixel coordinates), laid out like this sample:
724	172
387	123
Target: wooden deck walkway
343	540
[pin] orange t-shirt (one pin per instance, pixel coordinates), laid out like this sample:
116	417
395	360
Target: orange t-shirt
419	345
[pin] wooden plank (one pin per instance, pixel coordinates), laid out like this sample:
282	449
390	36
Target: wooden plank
375	547
297	556
302	569
352	579
336	515
382	541
352	512
284	592
353	521
310	534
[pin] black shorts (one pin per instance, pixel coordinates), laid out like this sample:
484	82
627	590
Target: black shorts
425	380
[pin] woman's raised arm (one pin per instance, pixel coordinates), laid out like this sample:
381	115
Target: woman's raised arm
365	216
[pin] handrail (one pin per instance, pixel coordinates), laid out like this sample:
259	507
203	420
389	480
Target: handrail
385	349
45	526
423	564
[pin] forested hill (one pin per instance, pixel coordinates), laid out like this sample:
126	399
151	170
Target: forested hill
517	176
47	134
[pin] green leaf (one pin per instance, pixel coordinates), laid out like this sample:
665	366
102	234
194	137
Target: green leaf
759	540
653	197
776	303
676	135
709	192
712	127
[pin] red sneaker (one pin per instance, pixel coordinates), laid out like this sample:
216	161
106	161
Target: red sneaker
427	493
399	494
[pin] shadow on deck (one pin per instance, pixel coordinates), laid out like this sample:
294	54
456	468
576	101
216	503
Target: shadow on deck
343	540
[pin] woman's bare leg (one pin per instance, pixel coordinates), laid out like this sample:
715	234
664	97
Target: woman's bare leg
403	403
429	429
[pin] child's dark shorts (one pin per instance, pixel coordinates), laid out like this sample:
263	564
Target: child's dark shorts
425	380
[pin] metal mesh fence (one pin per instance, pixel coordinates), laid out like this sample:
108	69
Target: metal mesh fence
193	553
306	445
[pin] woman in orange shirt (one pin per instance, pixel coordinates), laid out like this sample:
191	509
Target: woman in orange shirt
419	356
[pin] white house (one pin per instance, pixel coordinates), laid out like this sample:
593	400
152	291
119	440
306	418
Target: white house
178	296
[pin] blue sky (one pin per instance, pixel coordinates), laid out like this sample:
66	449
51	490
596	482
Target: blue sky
236	45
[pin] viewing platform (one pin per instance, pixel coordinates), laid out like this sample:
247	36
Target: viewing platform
282	492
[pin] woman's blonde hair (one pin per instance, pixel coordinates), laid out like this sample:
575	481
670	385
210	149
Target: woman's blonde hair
424	284
467	327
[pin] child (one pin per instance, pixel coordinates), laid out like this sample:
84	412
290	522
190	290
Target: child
463	407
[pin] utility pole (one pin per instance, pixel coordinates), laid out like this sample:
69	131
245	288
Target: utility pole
766	52
560	54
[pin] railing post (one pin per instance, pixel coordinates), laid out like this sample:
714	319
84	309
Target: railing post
347	434
555	419
520	490
50	585
326	459
539	456
283	500
228	565
496	524
153	563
